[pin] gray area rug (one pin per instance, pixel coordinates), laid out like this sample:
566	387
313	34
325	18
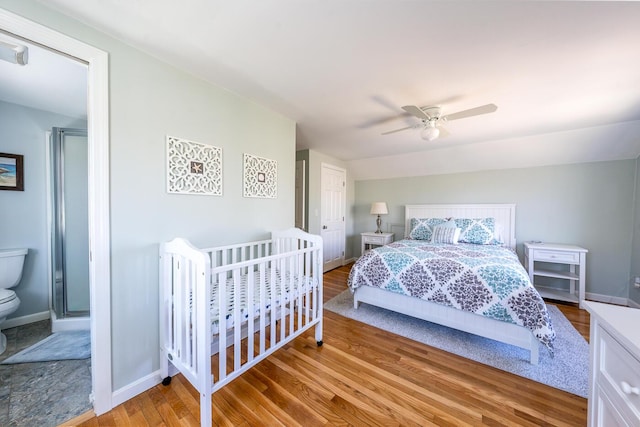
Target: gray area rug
568	370
65	345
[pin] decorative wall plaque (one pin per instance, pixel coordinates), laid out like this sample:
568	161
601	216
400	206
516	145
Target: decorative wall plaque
193	168
260	177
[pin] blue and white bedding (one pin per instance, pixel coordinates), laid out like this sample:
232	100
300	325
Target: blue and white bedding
483	279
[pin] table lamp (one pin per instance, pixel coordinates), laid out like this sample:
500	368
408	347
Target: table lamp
379	208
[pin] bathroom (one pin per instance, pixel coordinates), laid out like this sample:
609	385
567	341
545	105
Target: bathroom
42	107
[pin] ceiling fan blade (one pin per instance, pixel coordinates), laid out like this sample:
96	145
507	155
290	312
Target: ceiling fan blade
443	132
416	111
484	109
398	130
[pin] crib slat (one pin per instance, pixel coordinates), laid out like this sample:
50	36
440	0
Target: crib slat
237	320
300	295
263	306
222	336
284	297
250	312
274	311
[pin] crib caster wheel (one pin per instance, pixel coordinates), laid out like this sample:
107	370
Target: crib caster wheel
319	343
166	381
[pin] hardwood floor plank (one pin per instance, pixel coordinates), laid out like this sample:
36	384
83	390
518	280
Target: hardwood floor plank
363	376
120	416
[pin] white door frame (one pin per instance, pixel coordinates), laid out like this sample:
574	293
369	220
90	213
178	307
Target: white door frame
99	232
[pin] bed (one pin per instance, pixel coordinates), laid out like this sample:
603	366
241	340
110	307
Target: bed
224	309
477	288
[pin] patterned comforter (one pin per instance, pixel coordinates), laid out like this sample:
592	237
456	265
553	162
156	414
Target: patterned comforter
482	279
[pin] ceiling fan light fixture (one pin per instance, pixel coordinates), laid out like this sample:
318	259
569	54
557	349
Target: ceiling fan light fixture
429	133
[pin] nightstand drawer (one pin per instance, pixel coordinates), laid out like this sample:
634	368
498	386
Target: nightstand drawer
619	371
375	240
556	256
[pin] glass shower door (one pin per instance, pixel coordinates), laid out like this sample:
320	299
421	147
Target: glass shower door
69	149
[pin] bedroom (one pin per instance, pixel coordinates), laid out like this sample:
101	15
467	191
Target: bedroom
145	92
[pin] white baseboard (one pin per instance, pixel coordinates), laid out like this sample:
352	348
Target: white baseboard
633	304
140	386
25	320
69	323
348	261
606	299
135	388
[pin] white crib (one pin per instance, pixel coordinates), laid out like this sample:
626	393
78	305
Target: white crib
237	303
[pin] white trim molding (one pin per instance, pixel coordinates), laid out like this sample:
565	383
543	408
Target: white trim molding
25	320
99	232
606	299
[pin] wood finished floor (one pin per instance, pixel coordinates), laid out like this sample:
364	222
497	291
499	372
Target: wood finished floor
360	376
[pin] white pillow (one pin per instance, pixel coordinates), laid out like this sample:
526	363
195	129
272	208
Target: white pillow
445	234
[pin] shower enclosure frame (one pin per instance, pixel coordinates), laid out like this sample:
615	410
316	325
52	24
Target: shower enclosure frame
61	317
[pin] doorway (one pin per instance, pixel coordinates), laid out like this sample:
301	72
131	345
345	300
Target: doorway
300	198
98	181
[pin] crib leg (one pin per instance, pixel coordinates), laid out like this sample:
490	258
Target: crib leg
205	410
164	367
319	333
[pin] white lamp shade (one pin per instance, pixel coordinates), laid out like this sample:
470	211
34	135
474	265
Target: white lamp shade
379	208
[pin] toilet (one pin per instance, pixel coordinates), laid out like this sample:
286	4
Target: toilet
11	263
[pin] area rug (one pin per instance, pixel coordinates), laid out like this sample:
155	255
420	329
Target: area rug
567	370
65	345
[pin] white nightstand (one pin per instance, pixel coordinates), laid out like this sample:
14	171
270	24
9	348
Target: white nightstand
554	253
371	239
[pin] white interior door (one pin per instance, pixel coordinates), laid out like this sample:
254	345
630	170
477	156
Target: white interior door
333	183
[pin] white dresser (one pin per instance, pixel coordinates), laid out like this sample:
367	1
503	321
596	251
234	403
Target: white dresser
614	378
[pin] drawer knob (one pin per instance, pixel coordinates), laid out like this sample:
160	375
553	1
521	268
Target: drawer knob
628	389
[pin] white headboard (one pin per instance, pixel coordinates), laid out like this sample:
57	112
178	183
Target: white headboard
505	215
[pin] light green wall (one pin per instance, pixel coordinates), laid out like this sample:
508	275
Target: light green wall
634	293
589	204
150	99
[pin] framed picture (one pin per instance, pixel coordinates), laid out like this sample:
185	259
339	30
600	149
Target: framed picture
11	172
260	177
193	168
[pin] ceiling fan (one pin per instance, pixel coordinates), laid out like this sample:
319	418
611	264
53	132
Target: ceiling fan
432	118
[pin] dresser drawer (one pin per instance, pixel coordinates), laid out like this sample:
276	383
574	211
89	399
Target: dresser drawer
556	256
619	369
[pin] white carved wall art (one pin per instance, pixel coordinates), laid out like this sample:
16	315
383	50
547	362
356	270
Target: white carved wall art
193	168
260	177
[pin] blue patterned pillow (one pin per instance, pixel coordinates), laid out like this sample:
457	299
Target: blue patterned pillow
479	231
422	228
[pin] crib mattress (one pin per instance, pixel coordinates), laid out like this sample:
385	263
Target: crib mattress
287	287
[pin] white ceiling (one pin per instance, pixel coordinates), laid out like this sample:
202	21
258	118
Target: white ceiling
50	81
343	69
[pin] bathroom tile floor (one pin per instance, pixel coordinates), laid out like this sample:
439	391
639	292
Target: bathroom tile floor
41	394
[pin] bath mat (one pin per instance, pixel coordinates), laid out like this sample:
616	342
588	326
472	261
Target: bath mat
65	345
